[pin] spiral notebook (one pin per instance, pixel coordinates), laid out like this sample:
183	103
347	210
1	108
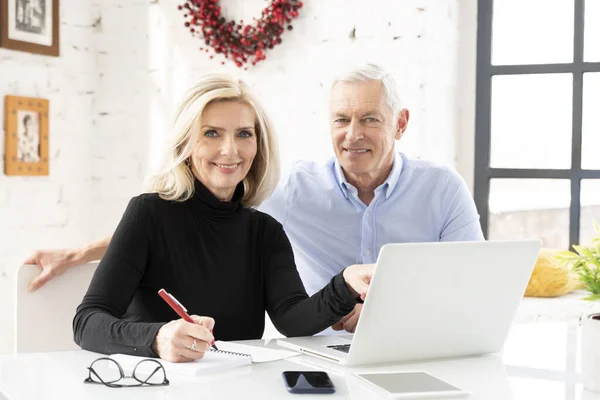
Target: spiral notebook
229	355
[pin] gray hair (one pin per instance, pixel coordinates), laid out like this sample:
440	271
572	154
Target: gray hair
373	72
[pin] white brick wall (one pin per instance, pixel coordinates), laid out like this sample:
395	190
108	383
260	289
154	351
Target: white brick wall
124	66
53	210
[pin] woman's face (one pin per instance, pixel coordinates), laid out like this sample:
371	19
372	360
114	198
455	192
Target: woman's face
226	147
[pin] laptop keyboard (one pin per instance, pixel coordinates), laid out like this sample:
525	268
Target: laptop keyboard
345	348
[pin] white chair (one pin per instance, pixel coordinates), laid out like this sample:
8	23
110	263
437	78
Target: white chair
44	318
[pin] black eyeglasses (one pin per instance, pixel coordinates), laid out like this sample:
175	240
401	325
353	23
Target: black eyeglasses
107	371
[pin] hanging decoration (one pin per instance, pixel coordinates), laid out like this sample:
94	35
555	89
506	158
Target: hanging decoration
242	43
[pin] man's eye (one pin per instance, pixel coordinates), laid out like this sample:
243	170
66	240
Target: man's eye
210	133
341	120
372	120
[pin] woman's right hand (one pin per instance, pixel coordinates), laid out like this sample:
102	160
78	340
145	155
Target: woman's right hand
175	340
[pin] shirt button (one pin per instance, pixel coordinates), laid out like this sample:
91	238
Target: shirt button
368	213
368	251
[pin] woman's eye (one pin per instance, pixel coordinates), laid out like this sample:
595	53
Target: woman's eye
245	134
210	133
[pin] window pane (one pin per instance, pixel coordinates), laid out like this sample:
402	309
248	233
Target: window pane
590	209
591	50
530	208
590	156
531	121
532	32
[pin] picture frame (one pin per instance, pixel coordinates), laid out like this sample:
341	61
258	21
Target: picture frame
30	25
26	130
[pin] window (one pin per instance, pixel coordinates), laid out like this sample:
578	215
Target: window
537	144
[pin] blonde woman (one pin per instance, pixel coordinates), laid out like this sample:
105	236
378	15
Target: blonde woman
196	236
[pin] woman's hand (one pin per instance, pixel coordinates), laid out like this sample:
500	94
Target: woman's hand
358	277
181	341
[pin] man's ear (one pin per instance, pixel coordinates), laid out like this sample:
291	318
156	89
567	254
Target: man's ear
402	123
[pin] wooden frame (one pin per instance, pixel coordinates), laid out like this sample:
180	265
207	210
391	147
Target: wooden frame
26	141
41	37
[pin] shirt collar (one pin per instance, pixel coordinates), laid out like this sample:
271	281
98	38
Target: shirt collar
388	185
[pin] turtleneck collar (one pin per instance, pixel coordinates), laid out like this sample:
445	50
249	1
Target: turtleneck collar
204	196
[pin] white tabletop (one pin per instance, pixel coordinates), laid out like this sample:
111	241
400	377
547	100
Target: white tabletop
540	361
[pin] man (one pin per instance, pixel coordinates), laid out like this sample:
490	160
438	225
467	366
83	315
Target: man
343	212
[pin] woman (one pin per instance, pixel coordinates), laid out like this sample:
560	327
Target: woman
196	237
28	149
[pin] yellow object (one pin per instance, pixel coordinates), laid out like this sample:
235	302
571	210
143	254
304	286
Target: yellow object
550	278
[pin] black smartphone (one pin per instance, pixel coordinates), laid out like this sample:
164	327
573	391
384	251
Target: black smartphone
308	382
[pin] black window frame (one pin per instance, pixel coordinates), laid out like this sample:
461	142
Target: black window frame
485	71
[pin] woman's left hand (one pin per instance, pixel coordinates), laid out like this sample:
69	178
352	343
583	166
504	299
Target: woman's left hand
358	277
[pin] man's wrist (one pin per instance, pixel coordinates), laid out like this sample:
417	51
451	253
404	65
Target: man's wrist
93	251
80	256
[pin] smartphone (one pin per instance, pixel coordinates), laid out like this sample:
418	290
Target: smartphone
411	385
308	382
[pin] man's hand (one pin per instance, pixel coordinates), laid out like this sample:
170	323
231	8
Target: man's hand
349	322
53	263
56	262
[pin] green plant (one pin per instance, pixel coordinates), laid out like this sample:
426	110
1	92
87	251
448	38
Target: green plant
585	261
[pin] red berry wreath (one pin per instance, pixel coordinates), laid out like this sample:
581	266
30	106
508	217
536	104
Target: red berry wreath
238	42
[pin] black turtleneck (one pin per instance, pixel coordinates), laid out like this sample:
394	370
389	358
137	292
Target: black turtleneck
219	259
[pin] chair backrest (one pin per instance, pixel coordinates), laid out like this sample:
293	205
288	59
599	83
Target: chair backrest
44	318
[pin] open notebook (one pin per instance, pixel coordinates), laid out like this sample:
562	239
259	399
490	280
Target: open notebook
229	355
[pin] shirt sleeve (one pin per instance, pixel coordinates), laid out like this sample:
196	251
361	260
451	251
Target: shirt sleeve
462	219
294	313
97	325
276	204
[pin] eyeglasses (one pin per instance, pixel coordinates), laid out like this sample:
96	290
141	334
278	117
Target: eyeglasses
107	371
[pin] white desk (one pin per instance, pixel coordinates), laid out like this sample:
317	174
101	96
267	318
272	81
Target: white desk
540	361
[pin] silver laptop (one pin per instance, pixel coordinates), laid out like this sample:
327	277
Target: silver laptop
433	300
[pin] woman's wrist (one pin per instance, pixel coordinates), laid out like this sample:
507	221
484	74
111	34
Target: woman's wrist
350	288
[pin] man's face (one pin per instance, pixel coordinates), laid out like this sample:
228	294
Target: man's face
363	127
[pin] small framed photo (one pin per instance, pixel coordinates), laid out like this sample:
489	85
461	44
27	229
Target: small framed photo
30	25
26	140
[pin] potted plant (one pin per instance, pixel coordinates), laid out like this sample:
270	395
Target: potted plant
585	261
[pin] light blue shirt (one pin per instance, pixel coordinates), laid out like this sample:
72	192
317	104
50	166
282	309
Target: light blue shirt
330	228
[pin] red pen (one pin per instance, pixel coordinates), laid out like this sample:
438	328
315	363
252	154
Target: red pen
179	309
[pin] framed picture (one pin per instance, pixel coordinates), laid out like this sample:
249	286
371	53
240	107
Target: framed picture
26	141
30	25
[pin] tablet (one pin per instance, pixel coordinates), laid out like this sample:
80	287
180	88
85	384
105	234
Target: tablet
410	385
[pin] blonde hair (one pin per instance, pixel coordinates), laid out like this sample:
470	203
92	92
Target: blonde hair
175	181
